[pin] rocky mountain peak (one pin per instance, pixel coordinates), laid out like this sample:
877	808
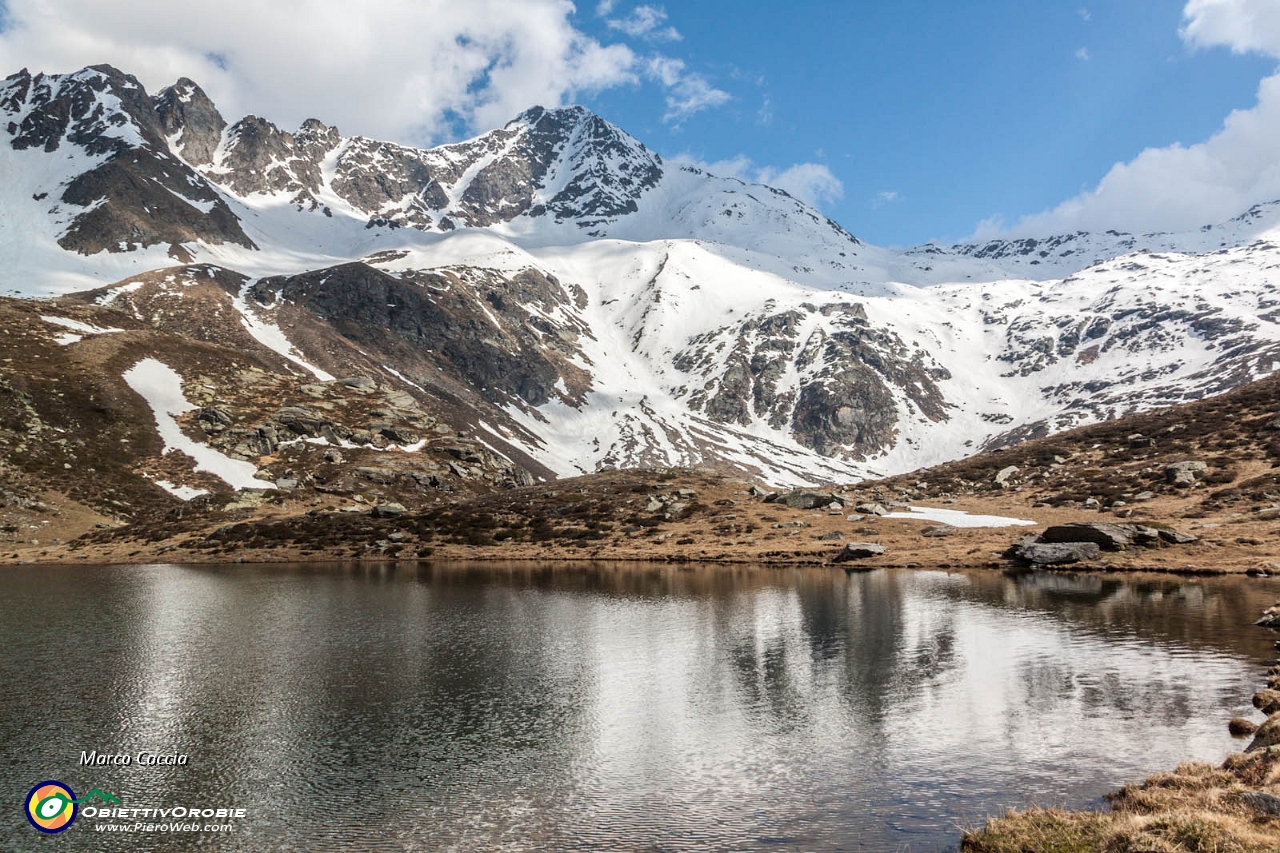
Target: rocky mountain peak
98	108
191	121
586	168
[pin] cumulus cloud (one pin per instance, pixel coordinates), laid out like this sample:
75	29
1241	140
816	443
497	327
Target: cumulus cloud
1083	54
812	183
1181	187
687	92
1242	25
412	70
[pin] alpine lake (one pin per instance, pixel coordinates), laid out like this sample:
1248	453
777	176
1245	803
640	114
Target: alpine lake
611	707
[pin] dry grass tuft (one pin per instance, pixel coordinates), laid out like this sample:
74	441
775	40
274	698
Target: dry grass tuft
1197	808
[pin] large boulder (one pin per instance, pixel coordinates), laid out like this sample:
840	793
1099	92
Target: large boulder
1004	475
1116	536
858	551
808	499
1054	553
1184	473
1268	734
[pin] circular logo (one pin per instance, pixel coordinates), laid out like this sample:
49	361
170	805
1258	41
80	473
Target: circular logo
51	806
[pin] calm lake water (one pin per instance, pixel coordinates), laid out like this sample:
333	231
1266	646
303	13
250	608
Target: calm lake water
624	708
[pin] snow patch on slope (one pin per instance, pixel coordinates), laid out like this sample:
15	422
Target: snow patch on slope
161	386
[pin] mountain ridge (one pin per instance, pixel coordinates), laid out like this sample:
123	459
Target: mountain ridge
557	279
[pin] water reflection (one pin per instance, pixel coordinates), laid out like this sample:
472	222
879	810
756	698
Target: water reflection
616	707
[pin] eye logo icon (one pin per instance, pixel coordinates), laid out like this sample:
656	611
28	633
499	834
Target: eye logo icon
51	806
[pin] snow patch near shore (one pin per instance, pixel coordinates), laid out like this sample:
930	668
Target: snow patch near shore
161	386
958	518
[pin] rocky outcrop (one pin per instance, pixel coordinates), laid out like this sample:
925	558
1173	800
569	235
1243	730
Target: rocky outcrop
851	382
191	121
487	332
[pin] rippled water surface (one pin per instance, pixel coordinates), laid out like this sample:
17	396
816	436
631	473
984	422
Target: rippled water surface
619	708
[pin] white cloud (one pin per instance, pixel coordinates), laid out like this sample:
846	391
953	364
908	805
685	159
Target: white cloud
884	197
1242	25
389	68
1181	187
1085	15
812	183
1083	54
644	22
687	92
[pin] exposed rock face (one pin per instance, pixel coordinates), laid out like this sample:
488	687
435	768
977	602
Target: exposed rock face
190	119
853	382
488	331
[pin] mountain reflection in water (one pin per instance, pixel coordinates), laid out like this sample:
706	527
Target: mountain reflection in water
611	707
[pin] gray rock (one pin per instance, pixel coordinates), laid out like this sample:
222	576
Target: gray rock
301	420
871	509
288	484
1054	553
1267	735
361	384
1176	537
830	537
938	531
332	455
388	510
808	499
858	551
1262	802
1116	536
1184	473
381	476
1004	475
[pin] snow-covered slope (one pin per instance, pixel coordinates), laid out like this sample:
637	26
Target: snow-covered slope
597	306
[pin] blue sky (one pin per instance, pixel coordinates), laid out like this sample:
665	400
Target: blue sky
957	112
906	121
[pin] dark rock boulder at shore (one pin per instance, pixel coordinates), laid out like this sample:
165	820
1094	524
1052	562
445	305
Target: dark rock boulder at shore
1053	553
858	551
1116	536
1268	735
1072	543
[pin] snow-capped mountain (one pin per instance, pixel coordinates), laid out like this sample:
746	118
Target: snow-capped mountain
577	302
